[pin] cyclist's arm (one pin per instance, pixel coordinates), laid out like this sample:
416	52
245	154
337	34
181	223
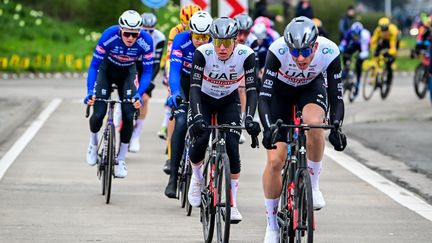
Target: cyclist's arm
147	64
393	40
364	44
197	73
254	46
173	32
176	62
250	80
157	58
375	37
271	69
99	54
334	91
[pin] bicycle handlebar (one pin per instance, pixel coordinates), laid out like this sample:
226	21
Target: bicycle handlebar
226	127
111	101
274	128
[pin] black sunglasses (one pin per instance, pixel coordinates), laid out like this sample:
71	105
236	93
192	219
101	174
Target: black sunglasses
127	34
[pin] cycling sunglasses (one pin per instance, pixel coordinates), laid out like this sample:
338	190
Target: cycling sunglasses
200	37
150	31
226	42
127	34
243	32
304	52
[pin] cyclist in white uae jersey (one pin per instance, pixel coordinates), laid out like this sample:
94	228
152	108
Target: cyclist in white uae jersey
293	74
217	70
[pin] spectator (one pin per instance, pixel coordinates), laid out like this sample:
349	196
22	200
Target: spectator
346	21
304	8
261	10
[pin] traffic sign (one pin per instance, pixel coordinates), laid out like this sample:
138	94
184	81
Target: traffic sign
154	3
231	8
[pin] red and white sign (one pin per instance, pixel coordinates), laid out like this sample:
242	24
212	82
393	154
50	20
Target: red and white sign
204	4
232	8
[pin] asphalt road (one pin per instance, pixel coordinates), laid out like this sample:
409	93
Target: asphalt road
49	193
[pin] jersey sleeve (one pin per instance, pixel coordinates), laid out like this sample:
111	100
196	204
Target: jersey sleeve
250	81
197	71
271	69
147	64
176	61
334	90
99	54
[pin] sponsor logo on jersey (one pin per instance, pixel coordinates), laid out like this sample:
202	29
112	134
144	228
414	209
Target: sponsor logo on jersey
208	52
141	42
124	58
221	79
186	44
327	51
273	74
197	76
187	64
241	52
283	50
198	68
177	53
338	75
148	56
250	70
100	49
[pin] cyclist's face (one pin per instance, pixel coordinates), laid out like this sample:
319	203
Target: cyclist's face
224	47
199	40
303	62
242	36
129	36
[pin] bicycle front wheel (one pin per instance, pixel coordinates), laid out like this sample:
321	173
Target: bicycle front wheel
223	202
188	206
421	81
369	82
207	210
111	162
385	84
285	214
303	213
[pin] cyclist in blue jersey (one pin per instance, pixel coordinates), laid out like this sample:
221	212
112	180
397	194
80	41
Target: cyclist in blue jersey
114	62
182	51
149	23
355	39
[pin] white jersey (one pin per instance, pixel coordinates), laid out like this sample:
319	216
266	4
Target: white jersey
221	78
290	74
157	37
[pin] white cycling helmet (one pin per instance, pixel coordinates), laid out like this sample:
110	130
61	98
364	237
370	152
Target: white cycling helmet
130	19
260	31
200	22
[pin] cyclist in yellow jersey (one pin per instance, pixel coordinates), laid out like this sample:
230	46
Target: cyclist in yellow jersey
186	13
386	36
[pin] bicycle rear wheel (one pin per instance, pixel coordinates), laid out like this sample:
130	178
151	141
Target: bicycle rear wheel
369	82
223	202
207	211
109	172
182	188
421	81
303	213
285	214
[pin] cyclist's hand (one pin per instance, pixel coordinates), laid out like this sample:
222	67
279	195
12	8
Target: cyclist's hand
89	99
137	101
198	126
174	100
337	138
267	139
252	127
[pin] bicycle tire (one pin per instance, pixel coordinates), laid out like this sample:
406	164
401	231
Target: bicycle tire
223	202
181	186
285	214
111	162
303	213
207	211
369	83
351	84
385	85
420	81
188	206
101	172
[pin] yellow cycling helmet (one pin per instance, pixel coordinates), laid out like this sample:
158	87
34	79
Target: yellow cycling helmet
187	11
384	23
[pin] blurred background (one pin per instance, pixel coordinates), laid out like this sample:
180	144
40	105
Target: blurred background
58	35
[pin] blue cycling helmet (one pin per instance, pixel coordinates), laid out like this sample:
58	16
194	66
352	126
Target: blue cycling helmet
356	29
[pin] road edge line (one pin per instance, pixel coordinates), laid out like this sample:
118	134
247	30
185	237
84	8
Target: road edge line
16	149
399	194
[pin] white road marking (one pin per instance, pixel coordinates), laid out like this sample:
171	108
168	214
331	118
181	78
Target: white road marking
397	193
28	135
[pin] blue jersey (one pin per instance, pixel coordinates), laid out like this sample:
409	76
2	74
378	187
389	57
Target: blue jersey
111	46
261	50
182	51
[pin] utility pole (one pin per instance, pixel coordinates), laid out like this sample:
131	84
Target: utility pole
388	8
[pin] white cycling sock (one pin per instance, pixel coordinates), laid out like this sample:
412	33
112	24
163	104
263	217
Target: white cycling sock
167	115
94	138
139	123
234	188
122	151
196	170
271	213
314	169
